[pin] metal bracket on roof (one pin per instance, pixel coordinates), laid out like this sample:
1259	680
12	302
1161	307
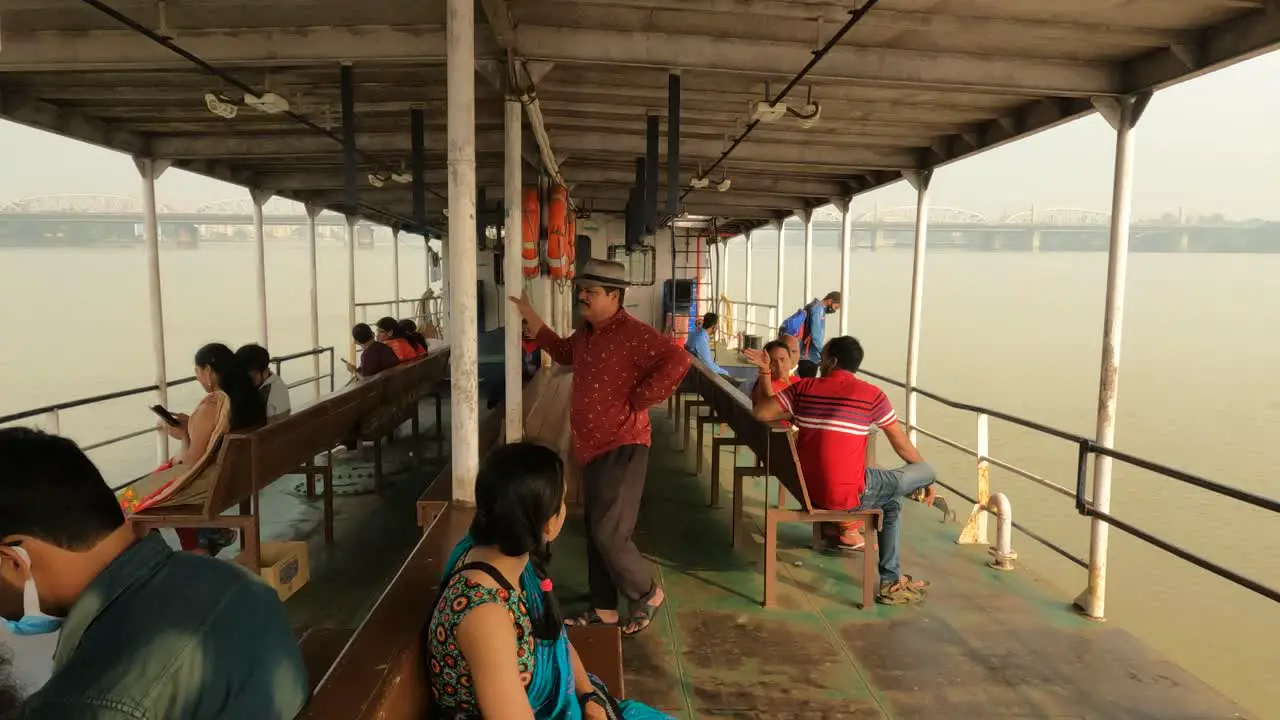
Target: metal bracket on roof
918	179
1112	109
1189	54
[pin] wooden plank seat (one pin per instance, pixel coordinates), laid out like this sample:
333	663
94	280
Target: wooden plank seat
774	447
249	462
379	673
402	389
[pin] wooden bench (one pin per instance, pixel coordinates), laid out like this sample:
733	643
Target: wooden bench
402	388
379	674
774	447
249	462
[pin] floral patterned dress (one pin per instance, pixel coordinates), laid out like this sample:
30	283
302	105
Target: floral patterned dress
451	684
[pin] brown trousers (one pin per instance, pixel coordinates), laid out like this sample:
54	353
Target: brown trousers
612	487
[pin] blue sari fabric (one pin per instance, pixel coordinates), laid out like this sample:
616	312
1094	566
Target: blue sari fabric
551	692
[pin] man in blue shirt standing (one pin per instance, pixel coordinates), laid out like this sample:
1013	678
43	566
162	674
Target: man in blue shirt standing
809	326
699	343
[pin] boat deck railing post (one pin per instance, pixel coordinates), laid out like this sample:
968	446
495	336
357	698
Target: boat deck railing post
920	180
150	169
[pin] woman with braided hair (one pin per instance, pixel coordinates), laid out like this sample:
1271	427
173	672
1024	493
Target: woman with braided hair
495	644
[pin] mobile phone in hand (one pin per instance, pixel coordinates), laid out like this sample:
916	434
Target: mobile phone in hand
165	415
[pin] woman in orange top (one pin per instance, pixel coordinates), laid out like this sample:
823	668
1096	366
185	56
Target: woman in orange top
390	334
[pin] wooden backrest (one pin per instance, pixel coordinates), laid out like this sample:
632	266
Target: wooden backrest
234	481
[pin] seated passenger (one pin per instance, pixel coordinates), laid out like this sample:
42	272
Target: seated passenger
390	334
374	356
496	651
834	414
773	362
415	338
145	632
699	344
274	391
530	361
793	352
231	404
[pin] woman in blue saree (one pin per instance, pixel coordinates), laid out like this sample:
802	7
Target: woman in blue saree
495	644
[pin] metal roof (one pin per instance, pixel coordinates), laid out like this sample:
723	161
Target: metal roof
915	84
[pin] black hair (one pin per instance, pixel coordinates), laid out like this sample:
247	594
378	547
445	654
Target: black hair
776	345
10	690
362	333
410	330
391	325
254	357
833	296
248	408
709	320
519	489
846	351
51	491
622	294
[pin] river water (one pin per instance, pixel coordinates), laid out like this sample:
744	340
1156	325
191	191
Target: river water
1013	331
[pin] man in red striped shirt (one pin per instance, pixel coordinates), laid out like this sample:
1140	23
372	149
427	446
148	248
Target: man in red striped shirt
621	368
834	414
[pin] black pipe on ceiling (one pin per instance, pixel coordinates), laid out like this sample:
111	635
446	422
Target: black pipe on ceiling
854	17
651	175
418	162
350	182
673	144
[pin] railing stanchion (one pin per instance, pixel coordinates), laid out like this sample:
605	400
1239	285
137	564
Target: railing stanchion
312	212
846	249
52	423
1122	114
984	474
919	180
151	169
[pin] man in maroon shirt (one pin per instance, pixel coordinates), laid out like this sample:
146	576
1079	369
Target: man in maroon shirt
621	368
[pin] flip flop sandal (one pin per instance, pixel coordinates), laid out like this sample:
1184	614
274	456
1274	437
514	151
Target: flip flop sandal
587	619
641	618
907	591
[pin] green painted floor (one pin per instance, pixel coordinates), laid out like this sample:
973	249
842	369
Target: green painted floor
985	644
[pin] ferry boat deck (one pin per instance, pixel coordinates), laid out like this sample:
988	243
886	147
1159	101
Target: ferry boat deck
983	644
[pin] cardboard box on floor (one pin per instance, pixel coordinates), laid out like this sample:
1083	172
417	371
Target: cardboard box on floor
546	420
285	567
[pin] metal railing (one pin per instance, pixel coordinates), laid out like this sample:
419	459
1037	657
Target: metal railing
420	310
1083	505
746	315
52	414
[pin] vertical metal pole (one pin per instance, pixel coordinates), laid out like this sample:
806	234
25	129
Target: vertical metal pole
807	217
780	225
395	270
651	175
312	212
1123	114
846	249
512	271
260	198
464	334
984	474
749	313
673	143
919	180
418	162
351	284
150	169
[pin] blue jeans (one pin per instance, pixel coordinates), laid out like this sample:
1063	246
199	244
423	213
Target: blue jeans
884	491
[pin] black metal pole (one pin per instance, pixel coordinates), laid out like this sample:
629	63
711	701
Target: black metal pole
651	175
419	162
673	144
350	188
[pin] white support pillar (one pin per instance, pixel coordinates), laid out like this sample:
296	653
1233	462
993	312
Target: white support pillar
395	272
260	198
781	225
748	312
846	250
313	211
513	270
351	284
463	329
1123	115
919	180
806	217
151	169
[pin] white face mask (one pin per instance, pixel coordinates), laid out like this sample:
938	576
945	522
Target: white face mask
34	621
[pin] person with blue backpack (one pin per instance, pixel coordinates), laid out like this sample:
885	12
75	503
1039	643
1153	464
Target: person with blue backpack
808	325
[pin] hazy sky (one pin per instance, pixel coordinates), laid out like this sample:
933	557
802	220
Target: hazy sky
1208	145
